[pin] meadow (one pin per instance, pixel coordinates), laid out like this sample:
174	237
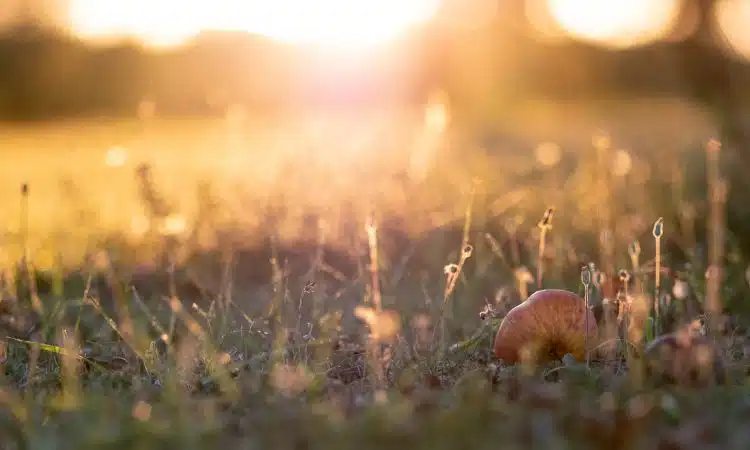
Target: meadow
332	280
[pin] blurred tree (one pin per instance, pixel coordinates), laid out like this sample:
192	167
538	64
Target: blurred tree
717	81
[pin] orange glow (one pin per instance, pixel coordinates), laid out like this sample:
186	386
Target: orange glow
324	23
468	14
733	17
545	27
616	23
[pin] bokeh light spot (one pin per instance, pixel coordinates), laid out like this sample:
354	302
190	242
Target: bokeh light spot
548	154
616	23
622	163
733	19
116	157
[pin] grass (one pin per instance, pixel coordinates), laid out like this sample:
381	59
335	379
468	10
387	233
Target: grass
312	299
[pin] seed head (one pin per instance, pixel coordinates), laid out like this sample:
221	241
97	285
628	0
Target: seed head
624	275
546	222
309	287
634	249
586	276
713	146
658	227
451	269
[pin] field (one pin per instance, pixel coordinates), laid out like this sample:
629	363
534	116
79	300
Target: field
316	281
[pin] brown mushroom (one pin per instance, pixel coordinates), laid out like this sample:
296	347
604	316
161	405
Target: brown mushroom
546	326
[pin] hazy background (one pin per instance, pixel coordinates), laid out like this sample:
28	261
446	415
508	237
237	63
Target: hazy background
325	106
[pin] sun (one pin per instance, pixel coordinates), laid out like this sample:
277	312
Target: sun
337	24
615	23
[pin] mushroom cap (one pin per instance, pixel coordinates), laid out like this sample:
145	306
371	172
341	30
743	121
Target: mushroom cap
549	323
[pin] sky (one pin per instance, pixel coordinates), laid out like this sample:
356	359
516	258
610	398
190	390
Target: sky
344	24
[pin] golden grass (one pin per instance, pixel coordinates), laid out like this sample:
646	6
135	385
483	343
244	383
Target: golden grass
292	361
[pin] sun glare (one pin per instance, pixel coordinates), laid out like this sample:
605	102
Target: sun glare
324	23
170	23
616	23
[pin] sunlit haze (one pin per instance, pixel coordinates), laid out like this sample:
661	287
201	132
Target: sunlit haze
325	23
